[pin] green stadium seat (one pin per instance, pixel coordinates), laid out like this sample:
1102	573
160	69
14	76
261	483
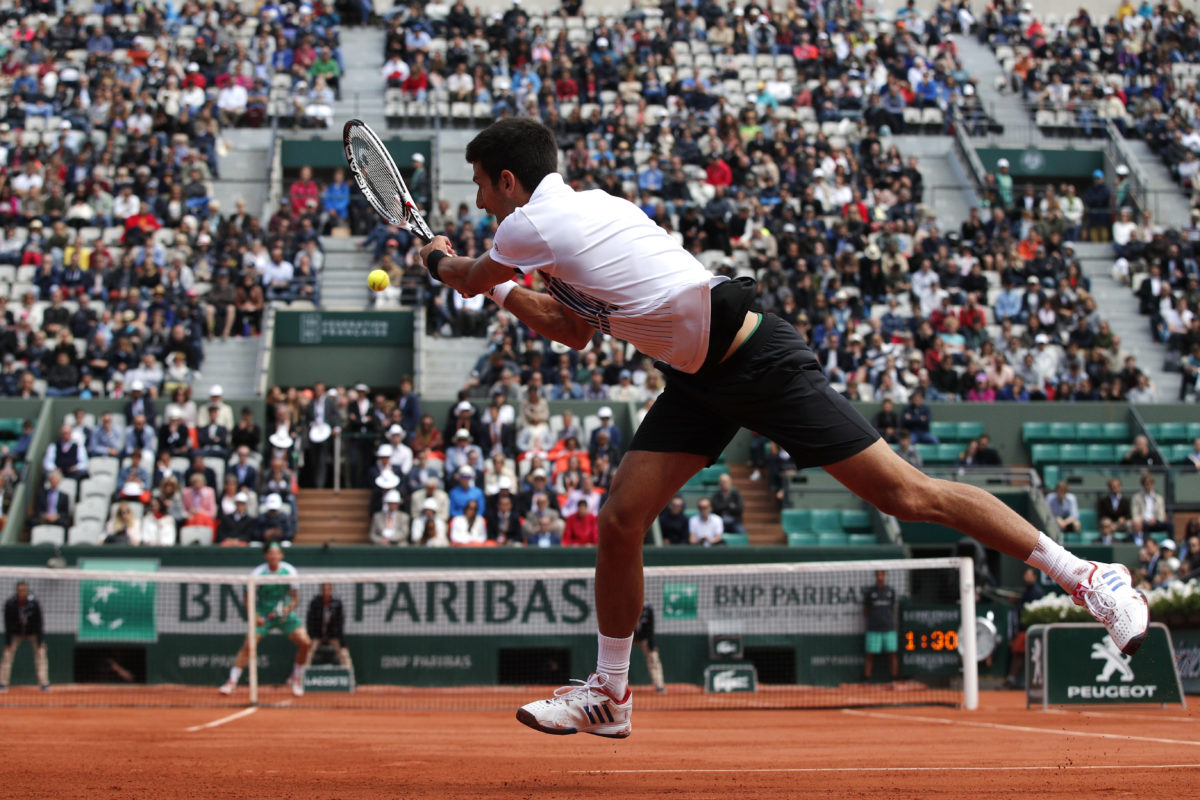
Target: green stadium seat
1073	538
736	539
856	520
1045	454
862	539
797	520
1087	520
801	539
969	430
1101	454
708	476
1090	432
944	431
1050	475
947	453
1193	430
826	520
1062	431
833	539
928	452
1172	433
1072	454
1180	454
1034	432
1116	432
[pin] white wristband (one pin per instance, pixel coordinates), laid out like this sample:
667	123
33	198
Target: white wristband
499	293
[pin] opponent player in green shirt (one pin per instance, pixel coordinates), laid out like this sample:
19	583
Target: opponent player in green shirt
275	608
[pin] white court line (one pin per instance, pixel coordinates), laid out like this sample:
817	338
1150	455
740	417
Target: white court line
1122	715
245	712
1020	728
1017	768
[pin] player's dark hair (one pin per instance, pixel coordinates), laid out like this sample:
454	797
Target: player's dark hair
272	544
525	148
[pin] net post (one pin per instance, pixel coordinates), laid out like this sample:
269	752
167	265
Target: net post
252	639
970	652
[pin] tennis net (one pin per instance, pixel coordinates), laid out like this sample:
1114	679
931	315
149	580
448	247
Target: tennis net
729	636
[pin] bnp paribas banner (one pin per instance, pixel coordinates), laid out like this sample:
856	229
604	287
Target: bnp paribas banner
753	603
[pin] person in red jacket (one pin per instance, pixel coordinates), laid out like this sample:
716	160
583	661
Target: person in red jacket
718	173
581	529
302	192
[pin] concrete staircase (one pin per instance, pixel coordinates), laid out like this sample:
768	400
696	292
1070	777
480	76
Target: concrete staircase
362	85
1164	198
232	363
1006	107
761	517
1119	306
447	362
243	169
344	276
946	188
340	517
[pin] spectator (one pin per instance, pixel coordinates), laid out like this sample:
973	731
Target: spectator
390	526
1064	508
273	524
727	504
543	534
157	525
916	419
52	506
503	522
1148	512
326	625
468	528
908	451
67	455
123	528
1140	454
23	622
105	440
464	492
705	527
581	527
238	528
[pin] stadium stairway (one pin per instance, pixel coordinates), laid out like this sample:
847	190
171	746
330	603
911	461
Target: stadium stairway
231	363
1119	306
1004	107
761	516
344	276
243	168
326	516
946	189
446	364
361	83
1165	200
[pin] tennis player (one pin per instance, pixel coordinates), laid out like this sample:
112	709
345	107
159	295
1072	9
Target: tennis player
275	609
607	267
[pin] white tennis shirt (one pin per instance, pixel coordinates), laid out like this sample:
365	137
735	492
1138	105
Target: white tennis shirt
603	258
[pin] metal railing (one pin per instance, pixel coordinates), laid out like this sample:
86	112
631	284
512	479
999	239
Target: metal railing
264	351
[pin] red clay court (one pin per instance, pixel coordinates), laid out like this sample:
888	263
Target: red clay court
1000	751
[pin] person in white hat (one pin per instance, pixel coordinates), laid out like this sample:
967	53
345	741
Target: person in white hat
238	528
402	455
216	408
463	491
323	421
363	424
274	521
459	448
428	527
605	413
139	403
432	490
390	525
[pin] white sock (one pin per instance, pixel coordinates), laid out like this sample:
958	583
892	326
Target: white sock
235	675
613	661
297	671
1064	567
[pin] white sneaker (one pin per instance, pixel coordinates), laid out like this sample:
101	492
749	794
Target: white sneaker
297	687
754	476
584	708
1108	595
227	687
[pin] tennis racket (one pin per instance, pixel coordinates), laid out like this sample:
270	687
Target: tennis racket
377	176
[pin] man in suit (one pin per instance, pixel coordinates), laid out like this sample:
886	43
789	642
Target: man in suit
198	467
213	440
52	507
323	421
238	527
409	404
496	429
606	424
462	418
247	475
503	523
433	491
363	426
836	362
140	436
139	404
390	525
1114	506
538	484
105	439
326	624
1148	512
67	455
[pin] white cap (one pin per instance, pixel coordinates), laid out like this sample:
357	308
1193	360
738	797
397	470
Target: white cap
429	505
174	413
137	386
193	66
462	433
395	430
465	405
466	472
604	413
419	158
273	502
818	173
602	43
1002	163
241	497
1041	338
216	390
392	496
505	482
281	440
384	451
131	489
1122	169
538	473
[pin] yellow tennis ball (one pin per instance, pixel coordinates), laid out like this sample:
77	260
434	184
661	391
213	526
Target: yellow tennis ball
377	280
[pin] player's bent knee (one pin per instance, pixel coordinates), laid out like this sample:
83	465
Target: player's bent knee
907	501
621	524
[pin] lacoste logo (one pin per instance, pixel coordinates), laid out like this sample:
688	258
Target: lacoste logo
1114	661
1035	657
730	681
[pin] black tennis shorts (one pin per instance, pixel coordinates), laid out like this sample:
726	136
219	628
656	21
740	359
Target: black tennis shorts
772	384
